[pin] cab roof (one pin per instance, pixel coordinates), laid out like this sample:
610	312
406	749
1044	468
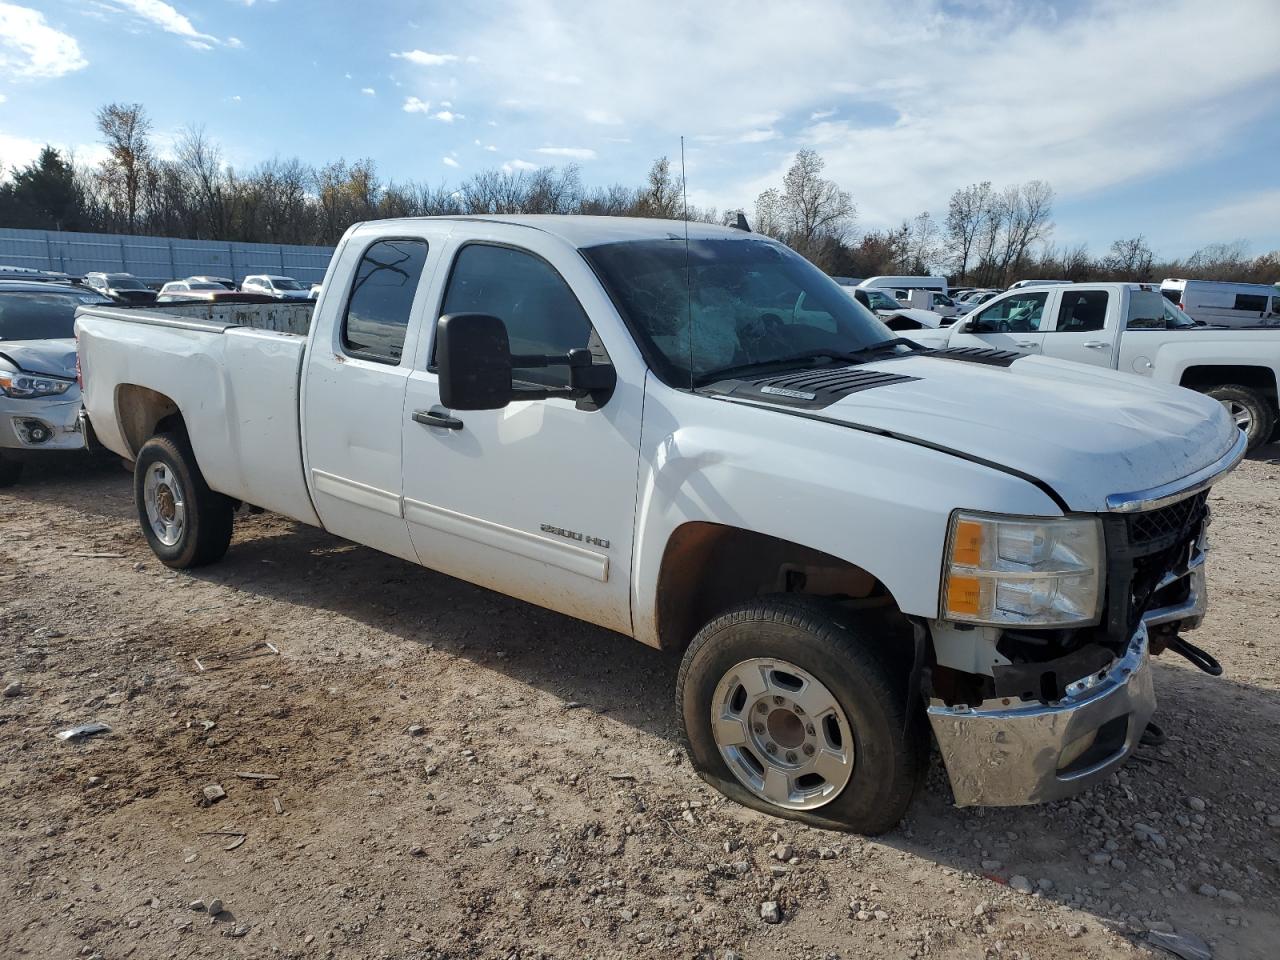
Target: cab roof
585	231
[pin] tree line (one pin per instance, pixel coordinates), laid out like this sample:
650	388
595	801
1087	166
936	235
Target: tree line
988	236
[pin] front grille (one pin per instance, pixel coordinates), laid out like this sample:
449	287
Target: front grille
1141	549
1170	521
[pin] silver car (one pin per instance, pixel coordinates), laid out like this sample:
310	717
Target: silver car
39	396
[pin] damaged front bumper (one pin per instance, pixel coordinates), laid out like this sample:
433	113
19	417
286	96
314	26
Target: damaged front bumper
42	423
1006	752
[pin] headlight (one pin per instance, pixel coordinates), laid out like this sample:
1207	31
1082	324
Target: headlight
28	386
1023	572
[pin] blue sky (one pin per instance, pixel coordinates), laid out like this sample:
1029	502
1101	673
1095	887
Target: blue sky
1160	117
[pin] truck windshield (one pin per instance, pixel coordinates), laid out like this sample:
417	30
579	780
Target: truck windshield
878	300
41	316
742	302
125	283
284	283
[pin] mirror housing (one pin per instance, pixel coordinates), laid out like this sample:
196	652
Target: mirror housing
473	357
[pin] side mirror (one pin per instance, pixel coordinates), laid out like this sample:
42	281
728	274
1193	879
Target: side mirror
473	356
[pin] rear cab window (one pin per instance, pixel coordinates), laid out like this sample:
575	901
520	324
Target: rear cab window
376	317
1147	311
1082	311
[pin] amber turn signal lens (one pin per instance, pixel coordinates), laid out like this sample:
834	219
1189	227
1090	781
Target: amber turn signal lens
966	548
964	595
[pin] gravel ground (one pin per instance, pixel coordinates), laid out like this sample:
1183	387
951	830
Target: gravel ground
463	775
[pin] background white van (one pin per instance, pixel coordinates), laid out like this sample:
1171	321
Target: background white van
1228	304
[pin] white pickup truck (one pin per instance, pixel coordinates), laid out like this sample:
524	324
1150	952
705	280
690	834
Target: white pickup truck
691	436
1132	328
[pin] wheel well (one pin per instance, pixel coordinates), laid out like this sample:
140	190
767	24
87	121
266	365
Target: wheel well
1207	377
708	567
143	413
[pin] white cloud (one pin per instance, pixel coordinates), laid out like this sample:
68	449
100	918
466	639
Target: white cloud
414	105
491	148
167	18
570	153
447	116
1004	93
1244	216
518	166
424	59
30	49
369	91
449	161
605	118
235	43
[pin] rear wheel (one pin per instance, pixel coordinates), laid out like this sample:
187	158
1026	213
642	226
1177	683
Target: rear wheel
794	709
186	523
1249	408
10	471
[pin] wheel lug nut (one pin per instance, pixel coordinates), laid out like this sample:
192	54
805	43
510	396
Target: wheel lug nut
779	701
810	729
758	728
791	756
799	710
770	748
808	750
762	708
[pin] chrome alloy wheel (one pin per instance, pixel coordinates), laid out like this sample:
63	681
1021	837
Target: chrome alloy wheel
166	506
1240	413
782	733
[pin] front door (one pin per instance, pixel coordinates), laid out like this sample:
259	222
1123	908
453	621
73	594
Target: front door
536	500
1009	323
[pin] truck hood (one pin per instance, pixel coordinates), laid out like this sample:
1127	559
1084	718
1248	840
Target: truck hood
51	358
1086	432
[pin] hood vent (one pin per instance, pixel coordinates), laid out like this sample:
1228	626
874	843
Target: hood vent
810	389
986	355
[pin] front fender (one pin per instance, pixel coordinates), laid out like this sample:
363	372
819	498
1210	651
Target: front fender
880	503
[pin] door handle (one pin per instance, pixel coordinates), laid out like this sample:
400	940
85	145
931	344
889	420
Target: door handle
437	418
1029	344
1097	344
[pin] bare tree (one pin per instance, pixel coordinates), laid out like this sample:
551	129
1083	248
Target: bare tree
967	215
661	196
125	130
1130	259
813	206
769	214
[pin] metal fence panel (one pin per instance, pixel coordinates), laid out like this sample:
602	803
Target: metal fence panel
157	259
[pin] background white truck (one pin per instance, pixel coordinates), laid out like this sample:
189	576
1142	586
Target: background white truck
689	435
1130	327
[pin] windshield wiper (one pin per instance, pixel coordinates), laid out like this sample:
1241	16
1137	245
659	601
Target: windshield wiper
764	366
883	345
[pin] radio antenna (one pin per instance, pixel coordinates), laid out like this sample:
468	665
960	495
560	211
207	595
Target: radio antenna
688	281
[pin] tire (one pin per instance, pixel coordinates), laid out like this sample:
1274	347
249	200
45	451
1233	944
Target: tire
1250	409
10	471
186	523
772	643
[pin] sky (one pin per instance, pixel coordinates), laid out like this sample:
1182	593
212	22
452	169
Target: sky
1153	117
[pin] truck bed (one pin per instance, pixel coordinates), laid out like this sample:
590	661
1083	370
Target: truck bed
227	369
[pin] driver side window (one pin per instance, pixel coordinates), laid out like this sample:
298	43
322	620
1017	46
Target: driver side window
1020	313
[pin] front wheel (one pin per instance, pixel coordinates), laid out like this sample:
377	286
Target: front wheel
186	523
1250	409
794	709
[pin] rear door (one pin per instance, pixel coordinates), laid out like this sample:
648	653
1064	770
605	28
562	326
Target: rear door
354	387
1012	322
1084	327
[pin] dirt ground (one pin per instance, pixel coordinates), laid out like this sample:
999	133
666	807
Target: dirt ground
463	775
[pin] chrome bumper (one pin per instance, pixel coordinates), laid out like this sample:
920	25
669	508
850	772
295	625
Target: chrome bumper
1002	754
